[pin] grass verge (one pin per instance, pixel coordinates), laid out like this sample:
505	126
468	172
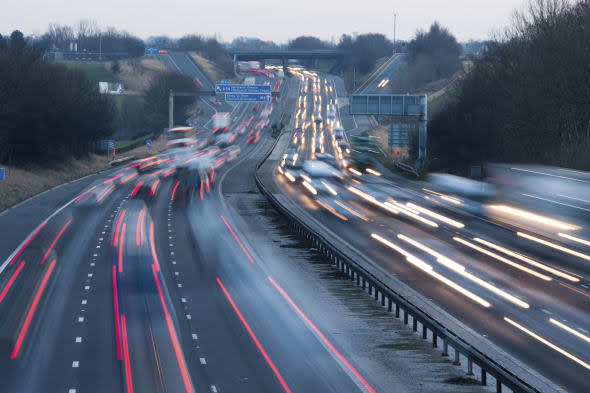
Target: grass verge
23	182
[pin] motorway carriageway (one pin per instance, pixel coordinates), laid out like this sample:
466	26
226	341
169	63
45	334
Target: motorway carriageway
528	294
157	292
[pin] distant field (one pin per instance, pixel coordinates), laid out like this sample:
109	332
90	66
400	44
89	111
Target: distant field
95	71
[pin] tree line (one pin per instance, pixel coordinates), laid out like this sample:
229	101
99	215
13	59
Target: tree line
527	98
49	112
431	55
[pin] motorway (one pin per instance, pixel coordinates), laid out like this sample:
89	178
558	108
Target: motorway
514	269
134	283
129	281
384	81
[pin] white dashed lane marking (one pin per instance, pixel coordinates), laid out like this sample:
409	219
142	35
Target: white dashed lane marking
203	361
78	339
75	364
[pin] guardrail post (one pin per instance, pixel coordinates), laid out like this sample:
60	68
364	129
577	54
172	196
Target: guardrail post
498	386
456	362
396	310
424	331
469	366
382	298
434	340
405	317
389	304
358	279
445	351
414	324
370	289
376	294
484	377
364	283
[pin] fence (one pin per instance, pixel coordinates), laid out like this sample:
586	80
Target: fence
395	302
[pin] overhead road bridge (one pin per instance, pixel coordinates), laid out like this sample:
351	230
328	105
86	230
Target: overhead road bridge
284	55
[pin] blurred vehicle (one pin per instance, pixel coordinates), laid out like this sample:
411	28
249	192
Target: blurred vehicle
230	153
180	132
363	152
220	122
197	176
181	143
322	177
226	139
255	108
328	159
338	132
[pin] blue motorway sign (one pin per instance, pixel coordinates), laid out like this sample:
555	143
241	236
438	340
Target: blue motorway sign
1	173
242	88
110	144
226	82
252	97
148	143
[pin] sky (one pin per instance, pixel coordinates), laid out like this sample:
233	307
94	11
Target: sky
270	20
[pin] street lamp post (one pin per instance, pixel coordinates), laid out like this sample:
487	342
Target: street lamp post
394	22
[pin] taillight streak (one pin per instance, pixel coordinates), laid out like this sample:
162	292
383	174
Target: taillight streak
173	337
254	338
154	187
174	190
128	377
237	239
11	281
322	337
28	241
121	246
136	188
55	241
139	228
86	193
116	305
123	181
31	312
112	179
153	247
105	193
118	228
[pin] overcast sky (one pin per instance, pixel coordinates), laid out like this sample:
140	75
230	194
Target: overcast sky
274	20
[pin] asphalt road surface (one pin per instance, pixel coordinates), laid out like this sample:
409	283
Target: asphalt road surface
502	267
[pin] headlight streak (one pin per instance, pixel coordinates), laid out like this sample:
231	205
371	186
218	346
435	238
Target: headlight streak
553	245
289	176
439	217
548	343
502	259
310	187
534	217
330	189
331	209
351	210
575	239
460	269
409	213
373	172
372	199
527	260
428	269
570	330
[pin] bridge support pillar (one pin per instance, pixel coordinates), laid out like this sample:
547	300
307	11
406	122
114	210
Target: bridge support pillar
262	64
235	63
285	66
